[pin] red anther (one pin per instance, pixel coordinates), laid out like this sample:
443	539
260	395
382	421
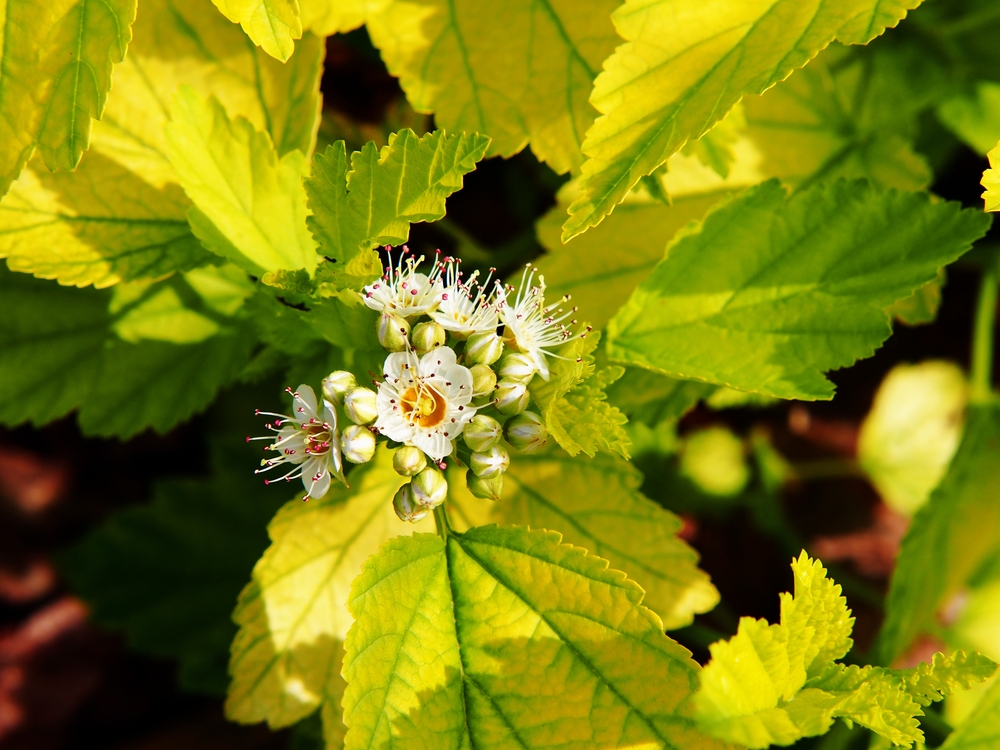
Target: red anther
248	438
267	481
256	412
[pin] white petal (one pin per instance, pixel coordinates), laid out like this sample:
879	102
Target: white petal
307	399
330	415
541	363
320	487
434	444
394	427
435	359
454	382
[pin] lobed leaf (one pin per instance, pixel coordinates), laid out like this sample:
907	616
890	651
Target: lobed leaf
273	25
504	636
771	291
684	66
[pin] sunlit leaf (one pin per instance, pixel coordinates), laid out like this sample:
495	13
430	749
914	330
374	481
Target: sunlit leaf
274	25
981	730
771	291
505	637
528	84
685	65
991	180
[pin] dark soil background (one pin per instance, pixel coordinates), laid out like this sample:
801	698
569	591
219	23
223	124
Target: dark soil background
66	685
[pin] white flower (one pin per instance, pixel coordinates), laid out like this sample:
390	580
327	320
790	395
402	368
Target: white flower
466	307
425	402
533	328
405	291
308	441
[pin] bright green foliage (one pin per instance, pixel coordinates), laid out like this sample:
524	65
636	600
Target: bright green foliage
974	116
326	17
981	731
292	615
55	72
168	573
774	684
573	401
921	306
520	73
505	637
274	25
384	192
685	65
58	353
831	120
771	291
951	537
249	204
596	504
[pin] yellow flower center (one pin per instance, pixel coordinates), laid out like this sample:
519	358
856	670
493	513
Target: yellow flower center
423	406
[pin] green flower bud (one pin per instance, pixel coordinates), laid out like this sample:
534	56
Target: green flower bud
360	405
357	444
487	488
517	367
336	384
430	488
510	397
409	461
482	433
406	506
490	463
483	348
526	432
428	335
392	331
484	380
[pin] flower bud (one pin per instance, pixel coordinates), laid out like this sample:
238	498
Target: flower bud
487	488
357	444
409	461
510	397
526	432
482	433
392	331
336	384
484	380
428	335
430	488
360	405
483	348
406	506
490	463
517	367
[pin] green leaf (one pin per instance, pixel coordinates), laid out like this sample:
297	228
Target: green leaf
478	642
684	66
771	291
946	675
981	731
596	504
293	615
326	17
55	73
385	191
952	536
168	573
922	306
974	115
273	25
529	84
251	206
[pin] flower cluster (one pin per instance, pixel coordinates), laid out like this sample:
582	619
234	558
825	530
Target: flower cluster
463	351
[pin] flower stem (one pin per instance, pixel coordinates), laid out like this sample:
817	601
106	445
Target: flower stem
441	522
982	338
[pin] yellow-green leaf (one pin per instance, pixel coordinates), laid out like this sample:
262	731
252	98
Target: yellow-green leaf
991	180
273	25
981	731
326	17
293	614
684	65
520	73
596	504
503	637
250	204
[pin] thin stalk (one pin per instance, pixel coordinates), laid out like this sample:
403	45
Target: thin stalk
982	339
441	522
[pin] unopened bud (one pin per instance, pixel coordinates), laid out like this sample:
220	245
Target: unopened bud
428	335
360	405
484	380
357	444
517	367
392	331
336	384
483	348
490	463
430	488
526	432
511	397
482	433
406	506
487	488
409	461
